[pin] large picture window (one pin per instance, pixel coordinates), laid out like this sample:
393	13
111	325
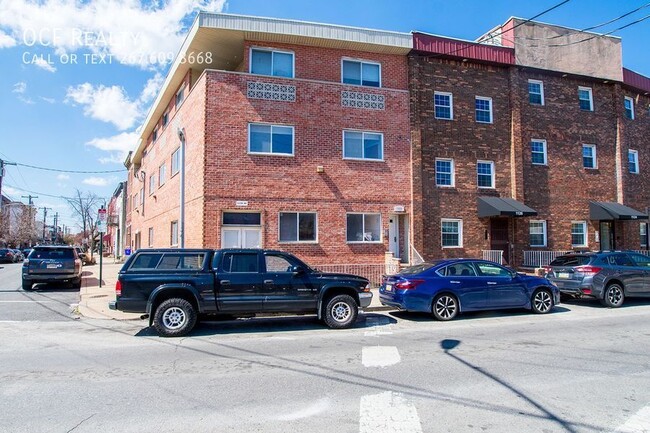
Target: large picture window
271	62
363	145
364	227
270	139
297	227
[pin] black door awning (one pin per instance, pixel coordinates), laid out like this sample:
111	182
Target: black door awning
608	210
497	206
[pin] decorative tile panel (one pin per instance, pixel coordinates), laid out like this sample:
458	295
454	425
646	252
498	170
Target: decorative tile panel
271	91
370	101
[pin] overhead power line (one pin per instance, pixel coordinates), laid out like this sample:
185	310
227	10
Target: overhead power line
71	171
604	34
48	195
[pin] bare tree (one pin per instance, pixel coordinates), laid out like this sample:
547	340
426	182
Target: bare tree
84	208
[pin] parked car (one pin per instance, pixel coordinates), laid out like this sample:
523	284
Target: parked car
52	264
18	256
447	287
173	286
609	276
7	255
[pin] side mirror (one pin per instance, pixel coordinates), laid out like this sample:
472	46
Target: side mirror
297	270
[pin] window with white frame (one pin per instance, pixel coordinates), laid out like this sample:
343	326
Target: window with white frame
162	174
150	237
589	156
176	161
444	172
298	227
361	73
538	151
363	227
633	161
451	231
485	174
180	96
173	234
152	184
271	62
629	107
363	145
578	234
270	139
536	92
585	98
643	234
537	233
443	104
142	195
483	109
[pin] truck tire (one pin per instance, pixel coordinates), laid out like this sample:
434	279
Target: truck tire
341	312
174	317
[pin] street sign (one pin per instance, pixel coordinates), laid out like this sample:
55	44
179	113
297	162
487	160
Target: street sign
101	220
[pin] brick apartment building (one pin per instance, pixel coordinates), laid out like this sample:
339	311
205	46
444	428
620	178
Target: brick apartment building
534	140
296	137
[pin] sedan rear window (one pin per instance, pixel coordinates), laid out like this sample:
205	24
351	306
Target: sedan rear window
52	253
571	261
412	270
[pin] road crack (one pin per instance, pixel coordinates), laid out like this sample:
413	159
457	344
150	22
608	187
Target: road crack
81	422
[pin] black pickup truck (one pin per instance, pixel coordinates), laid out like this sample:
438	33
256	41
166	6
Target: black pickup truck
174	286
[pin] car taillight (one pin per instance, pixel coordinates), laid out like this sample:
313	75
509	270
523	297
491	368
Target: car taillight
408	284
547	269
118	288
588	271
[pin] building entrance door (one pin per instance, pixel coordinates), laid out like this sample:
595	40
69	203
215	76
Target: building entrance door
393	235
241	230
499	239
607	241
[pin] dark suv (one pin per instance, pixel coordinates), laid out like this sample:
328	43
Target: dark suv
609	276
52	264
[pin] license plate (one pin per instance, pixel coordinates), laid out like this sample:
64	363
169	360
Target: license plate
51	266
389	287
563	275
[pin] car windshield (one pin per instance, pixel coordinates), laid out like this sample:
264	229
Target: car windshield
571	261
52	253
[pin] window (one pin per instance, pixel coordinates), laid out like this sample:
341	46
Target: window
578	234
640	259
589	156
176	161
278	263
297	227
142	195
537	233
240	262
364	227
643	234
150	237
165	118
152	183
633	161
485	174
535	92
188	262
270	139
458	270
492	270
135	201
271	62
361	73
154	136
444	172
174	234
162	175
629	107
585	98
443	104
242	218
538	151
180	96
483	109
452	233
146	261
363	145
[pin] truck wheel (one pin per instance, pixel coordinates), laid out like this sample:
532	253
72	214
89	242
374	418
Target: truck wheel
27	286
341	312
175	317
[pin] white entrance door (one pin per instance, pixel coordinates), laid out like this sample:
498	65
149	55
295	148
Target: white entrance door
393	235
241	237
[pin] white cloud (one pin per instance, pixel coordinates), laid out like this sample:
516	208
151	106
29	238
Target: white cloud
95	181
118	146
63	176
151	88
6	41
40	62
48	100
132	32
108	104
20	87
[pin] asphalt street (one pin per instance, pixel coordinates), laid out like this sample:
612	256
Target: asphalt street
583	368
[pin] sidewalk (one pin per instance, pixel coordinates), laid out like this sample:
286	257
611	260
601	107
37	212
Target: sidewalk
93	300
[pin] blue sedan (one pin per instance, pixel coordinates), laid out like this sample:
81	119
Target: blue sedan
448	287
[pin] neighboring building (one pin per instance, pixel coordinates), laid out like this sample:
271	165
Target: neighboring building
534	142
297	138
116	222
17	225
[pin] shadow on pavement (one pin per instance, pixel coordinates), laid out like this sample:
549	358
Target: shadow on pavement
472	315
209	326
595	303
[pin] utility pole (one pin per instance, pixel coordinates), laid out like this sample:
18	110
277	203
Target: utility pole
32	217
2	174
56	228
44	220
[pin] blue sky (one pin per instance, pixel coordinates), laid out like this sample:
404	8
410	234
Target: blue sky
83	115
